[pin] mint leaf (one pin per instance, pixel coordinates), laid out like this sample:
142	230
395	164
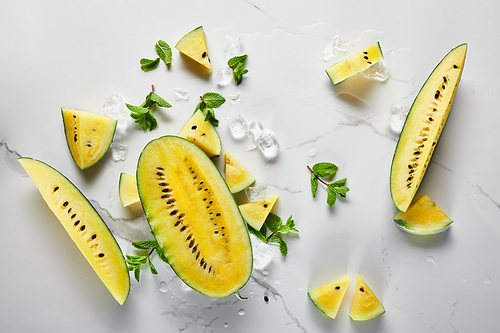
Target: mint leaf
273	222
283	247
145	245
164	52
235	61
314	184
143	115
327	169
148	64
257	233
332	195
160	254
324	169
151	267
213	100
137	109
289	226
160	101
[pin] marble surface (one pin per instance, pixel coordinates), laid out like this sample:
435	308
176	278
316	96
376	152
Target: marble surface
84	54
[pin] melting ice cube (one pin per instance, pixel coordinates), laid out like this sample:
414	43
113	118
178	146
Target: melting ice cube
255	193
234	47
255	130
269	145
378	72
235	99
335	49
118	151
397	116
114	106
181	94
262	253
224	76
238	126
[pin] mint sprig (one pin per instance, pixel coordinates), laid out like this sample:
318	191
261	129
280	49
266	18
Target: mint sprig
135	262
236	64
278	230
334	189
164	53
142	113
208	102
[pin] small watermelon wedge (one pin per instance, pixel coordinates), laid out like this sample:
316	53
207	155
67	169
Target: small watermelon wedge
256	212
328	297
237	177
365	305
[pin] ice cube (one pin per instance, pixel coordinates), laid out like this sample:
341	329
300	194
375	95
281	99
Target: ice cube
397	116
235	99
378	72
335	49
269	145
224	76
262	253
255	193
234	47
340	45
118	151
181	94
255	130
114	107
238	126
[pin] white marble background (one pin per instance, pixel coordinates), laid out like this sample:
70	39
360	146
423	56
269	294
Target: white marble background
78	54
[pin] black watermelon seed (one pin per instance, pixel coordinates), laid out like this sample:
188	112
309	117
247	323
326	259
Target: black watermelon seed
194	127
73	216
82	227
65	203
94	236
204	54
56	188
337	287
101	255
76	223
183	228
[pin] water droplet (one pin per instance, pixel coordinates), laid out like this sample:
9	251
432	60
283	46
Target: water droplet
163	287
118	151
181	94
432	260
238	126
487	280
265	272
269	145
226	325
397	117
224	76
464	279
313	152
241	312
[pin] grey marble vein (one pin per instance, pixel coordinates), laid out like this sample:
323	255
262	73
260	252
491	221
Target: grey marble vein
276	295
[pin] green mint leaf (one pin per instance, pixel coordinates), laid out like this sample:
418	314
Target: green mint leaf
342	191
137	274
201	106
283	247
273	222
137	109
145	245
148	64
325	169
340	182
332	195
289	226
210	116
164	52
161	255
274	239
152	267
235	61
257	233
314	184
213	100
160	101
